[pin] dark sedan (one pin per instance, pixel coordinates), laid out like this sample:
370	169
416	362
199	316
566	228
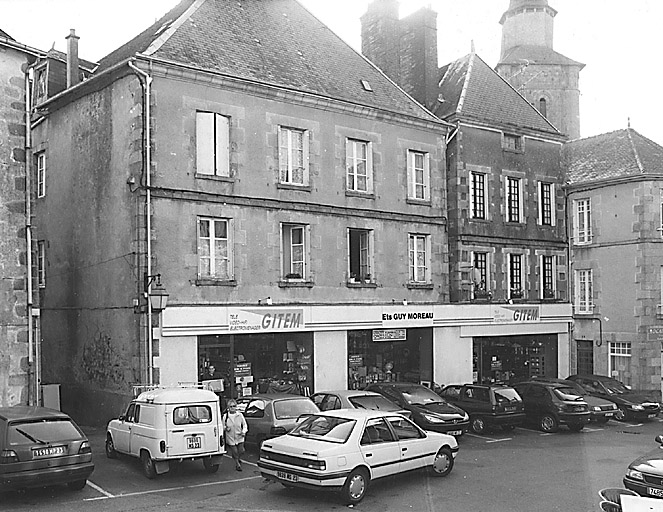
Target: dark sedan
429	410
645	474
41	447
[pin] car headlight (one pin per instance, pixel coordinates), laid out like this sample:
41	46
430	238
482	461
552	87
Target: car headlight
637	408
596	408
635	475
466	417
432	419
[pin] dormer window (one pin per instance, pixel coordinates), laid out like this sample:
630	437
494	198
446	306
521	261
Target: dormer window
512	142
542	107
41	84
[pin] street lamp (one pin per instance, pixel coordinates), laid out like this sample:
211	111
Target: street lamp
156	293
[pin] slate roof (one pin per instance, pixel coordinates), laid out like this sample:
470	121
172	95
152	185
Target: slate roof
536	55
62	57
276	42
473	91
612	155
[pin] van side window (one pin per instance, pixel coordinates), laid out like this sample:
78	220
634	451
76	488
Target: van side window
129	415
137	414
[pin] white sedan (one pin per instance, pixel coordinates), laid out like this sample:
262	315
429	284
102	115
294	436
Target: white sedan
343	450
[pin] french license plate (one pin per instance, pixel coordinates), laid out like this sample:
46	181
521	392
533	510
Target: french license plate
287	476
655	492
607	414
455	432
510	409
193	443
51	451
651	416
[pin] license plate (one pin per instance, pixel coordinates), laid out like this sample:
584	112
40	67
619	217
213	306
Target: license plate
51	451
455	432
510	409
287	476
609	414
193	443
655	492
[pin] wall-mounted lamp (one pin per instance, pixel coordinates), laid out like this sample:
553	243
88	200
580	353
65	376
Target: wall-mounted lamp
267	301
131	181
157	294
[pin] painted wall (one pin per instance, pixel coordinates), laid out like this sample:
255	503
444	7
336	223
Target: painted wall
330	357
452	356
177	360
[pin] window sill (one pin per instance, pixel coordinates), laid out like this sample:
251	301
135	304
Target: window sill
357	193
420	286
295	284
358	284
213	177
210	281
420	202
292	186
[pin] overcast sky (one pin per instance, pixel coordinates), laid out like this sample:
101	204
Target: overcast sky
620	42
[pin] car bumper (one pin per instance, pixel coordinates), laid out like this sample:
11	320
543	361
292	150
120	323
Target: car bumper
601	416
300	478
46	476
456	429
643	488
642	415
574	419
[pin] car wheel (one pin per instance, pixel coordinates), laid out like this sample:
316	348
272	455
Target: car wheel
110	448
77	485
620	414
443	463
209	466
508	428
148	465
355	487
478	425
576	427
548	423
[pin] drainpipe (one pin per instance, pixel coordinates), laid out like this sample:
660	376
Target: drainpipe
33	377
145	82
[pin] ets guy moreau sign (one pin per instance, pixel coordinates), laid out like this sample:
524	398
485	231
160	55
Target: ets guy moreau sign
400	317
516	314
265	319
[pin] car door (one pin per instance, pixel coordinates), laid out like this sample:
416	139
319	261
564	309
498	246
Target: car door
122	434
380	449
412	443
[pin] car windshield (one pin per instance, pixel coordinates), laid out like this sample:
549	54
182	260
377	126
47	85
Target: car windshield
325	428
615	387
419	395
288	409
43	431
507	395
567	393
373	402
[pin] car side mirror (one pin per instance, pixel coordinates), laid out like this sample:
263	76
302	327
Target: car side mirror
121	418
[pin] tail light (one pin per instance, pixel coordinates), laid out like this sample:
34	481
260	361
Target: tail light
278	431
85	448
8	456
162	446
320	465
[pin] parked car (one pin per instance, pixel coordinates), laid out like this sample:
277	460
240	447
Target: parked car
645	474
549	405
167	425
356	399
488	405
41	447
429	410
631	405
273	414
600	409
344	450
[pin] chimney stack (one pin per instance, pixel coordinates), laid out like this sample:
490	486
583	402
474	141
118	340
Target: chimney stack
73	73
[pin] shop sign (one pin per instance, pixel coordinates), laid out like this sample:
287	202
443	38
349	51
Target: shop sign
265	319
516	314
401	317
242	369
355	360
389	334
656	332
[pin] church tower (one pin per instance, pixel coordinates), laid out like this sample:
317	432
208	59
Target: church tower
549	80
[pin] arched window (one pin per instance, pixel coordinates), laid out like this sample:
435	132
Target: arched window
542	107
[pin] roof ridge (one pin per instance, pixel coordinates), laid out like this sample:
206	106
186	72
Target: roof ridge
635	150
461	99
172	27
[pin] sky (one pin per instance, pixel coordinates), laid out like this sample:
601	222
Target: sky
619	41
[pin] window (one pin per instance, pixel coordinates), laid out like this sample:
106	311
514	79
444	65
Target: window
543	107
548	280
546	212
478	195
41	263
293	156
41	84
513	199
582	229
359	166
215	248
583	292
512	142
419	257
41	174
620	361
515	276
418	175
294	248
212	144
361	255
480	273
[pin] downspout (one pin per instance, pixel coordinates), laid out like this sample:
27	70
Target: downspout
145	82
33	377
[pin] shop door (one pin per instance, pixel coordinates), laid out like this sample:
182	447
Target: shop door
585	353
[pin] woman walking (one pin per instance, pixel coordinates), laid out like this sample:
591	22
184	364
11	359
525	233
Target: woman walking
236	429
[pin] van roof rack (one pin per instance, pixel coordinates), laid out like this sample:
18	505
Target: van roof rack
141	388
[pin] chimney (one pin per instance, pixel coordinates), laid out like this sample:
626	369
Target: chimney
73	74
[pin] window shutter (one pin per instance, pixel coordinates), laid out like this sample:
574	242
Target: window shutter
427	191
540	219
204	143
349	145
305	156
222	145
369	165
410	174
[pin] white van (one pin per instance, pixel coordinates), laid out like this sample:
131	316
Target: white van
167	425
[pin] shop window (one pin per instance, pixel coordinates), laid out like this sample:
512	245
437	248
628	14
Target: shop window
359	166
418	171
212	144
620	361
360	243
419	258
294	246
215	248
293	156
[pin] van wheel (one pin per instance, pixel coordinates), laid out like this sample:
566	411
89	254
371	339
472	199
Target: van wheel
478	425
110	447
209	467
548	423
355	487
78	485
443	463
148	465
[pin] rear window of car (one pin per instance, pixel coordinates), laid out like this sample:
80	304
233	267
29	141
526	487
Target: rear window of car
567	393
190	414
506	395
288	409
325	428
43	431
374	403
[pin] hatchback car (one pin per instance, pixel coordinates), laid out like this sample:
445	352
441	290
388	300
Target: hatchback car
549	405
356	399
631	405
645	474
344	450
600	409
41	447
429	410
269	415
489	405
